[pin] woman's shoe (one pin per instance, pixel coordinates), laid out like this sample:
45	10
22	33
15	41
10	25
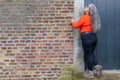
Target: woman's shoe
98	71
88	74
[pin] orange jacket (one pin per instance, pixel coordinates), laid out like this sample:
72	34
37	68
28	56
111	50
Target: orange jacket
83	23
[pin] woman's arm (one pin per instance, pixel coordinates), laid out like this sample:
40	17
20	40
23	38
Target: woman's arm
78	23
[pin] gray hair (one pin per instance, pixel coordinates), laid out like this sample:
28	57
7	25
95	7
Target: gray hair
95	18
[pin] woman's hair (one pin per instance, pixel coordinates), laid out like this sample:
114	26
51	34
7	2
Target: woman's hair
95	18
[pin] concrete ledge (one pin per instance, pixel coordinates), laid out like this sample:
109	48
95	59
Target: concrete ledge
111	71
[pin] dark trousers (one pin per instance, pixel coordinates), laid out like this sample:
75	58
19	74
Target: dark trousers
89	42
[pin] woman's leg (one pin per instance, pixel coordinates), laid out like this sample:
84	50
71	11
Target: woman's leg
88	43
94	57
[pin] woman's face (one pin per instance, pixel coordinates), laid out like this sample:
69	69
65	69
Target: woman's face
86	9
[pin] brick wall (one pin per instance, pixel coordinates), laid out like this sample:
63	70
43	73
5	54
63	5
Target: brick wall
36	38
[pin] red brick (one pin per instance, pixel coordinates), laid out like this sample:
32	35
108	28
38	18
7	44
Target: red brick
41	57
35	40
48	63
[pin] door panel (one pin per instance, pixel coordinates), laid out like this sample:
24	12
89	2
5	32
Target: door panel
108	48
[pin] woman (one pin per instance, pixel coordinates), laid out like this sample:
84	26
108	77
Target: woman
89	40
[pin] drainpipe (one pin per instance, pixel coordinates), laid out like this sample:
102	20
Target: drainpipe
78	51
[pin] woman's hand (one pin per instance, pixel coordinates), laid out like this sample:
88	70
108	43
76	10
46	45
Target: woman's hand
72	21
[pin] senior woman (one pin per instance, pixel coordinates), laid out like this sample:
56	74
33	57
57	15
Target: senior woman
89	23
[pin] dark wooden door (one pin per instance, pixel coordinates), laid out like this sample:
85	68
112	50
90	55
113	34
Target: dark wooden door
108	48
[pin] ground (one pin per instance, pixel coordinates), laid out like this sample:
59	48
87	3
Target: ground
106	76
68	73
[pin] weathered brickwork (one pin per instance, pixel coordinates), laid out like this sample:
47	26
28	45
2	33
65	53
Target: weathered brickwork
36	38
